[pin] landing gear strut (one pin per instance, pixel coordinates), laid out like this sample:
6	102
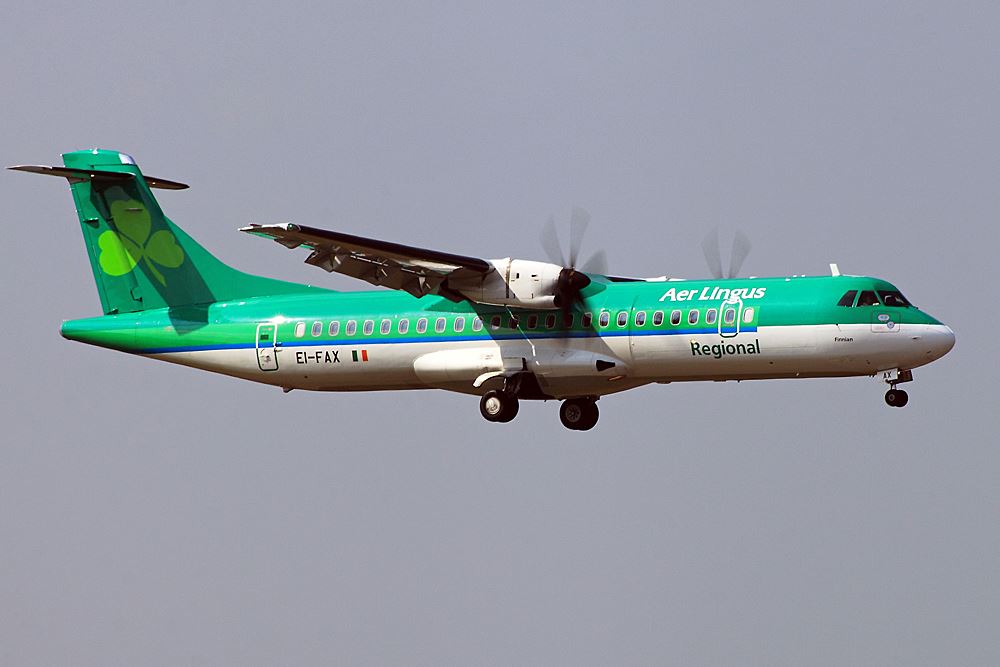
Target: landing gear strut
897	398
579	414
498	406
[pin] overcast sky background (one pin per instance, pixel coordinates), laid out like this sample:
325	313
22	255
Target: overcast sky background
152	514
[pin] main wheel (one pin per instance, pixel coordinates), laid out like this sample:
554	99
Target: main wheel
497	406
897	398
578	414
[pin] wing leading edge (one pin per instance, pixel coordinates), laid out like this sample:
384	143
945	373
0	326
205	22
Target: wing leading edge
417	271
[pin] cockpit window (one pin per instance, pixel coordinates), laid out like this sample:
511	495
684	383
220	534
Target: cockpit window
893	299
848	298
868	298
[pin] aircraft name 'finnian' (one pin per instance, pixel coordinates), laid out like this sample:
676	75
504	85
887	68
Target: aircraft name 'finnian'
713	294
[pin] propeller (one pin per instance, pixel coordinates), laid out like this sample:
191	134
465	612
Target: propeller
741	248
571	280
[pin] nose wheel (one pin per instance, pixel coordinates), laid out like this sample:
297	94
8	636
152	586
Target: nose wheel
896	398
579	414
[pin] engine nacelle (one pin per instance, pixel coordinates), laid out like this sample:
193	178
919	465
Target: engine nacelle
514	282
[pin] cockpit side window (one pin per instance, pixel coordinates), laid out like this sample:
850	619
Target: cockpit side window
848	298
893	299
868	298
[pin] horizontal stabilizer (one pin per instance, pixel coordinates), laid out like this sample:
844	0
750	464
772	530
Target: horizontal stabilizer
82	175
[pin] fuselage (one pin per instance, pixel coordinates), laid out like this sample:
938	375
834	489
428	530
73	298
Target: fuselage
624	334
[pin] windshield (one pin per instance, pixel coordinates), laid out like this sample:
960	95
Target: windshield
893	299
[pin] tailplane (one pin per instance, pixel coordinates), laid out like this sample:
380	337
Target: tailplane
140	259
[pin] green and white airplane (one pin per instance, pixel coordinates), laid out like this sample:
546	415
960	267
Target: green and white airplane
503	329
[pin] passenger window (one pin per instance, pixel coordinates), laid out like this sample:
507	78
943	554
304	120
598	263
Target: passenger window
568	320
334	328
605	318
352	327
848	298
477	324
550	321
439	325
748	315
675	317
730	316
421	325
657	318
622	318
588	319
515	321
893	299
369	327
385	327
868	298
495	322
640	318
532	321
710	316
300	329
693	317
459	324
404	325
317	328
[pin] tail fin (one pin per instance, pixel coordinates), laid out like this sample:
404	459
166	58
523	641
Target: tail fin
141	260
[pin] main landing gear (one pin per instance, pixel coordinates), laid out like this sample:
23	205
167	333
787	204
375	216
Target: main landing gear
576	414
579	414
498	406
897	398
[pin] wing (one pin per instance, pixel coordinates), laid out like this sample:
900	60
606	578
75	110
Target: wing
414	270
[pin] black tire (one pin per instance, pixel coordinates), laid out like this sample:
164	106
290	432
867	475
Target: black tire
578	414
896	398
511	406
497	406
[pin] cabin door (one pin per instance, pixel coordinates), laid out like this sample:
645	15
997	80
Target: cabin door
730	315
267	347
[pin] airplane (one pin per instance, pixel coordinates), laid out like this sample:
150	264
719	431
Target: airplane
505	330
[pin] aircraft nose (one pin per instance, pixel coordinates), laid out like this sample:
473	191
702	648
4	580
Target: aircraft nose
942	340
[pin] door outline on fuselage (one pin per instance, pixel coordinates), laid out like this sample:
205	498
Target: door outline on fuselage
730	330
267	354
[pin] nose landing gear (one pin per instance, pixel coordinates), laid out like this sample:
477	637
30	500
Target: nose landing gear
897	398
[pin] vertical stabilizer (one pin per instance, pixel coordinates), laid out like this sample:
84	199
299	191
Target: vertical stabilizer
140	259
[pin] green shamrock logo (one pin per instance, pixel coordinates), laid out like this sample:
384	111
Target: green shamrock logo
131	244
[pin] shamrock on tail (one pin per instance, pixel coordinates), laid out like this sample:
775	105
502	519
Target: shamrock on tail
131	244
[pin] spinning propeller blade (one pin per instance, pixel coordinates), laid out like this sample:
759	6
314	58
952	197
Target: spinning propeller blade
713	256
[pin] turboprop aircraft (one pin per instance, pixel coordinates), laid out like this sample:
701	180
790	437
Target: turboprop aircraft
505	330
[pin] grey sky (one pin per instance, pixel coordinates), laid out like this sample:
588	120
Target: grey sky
150	514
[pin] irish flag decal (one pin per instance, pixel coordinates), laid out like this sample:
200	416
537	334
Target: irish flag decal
359	355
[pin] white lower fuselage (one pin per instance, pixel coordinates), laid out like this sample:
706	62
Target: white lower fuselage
572	367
